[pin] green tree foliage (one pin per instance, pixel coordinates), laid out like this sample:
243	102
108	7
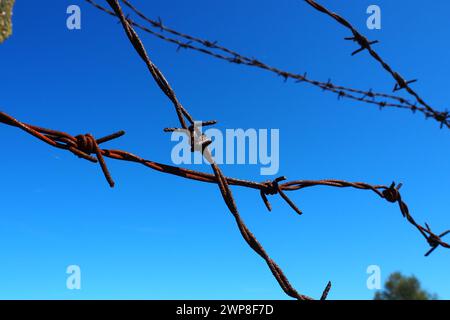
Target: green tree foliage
399	287
5	19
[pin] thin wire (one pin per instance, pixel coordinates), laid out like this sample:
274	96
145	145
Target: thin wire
401	83
83	146
212	48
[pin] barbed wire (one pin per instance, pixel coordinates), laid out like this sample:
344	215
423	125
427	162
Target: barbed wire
86	146
400	83
382	100
202	146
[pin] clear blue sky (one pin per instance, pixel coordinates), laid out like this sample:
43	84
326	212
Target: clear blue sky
151	237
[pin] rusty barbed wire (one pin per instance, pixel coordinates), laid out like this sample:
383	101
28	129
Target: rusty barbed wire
365	96
222	182
443	117
87	147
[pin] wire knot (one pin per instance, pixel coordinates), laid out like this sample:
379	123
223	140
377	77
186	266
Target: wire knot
392	194
236	59
273	188
198	140
363	42
442	117
210	44
401	82
86	143
434	240
184	45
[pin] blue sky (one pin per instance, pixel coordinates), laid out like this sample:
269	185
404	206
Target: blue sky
152	237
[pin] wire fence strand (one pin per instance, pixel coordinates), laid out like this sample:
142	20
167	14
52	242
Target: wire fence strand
400	83
84	146
212	48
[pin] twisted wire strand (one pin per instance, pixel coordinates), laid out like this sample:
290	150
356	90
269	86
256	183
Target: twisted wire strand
221	181
255	62
382	100
79	147
442	117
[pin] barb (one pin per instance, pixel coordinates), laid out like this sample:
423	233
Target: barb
443	117
326	291
212	48
82	145
390	193
273	187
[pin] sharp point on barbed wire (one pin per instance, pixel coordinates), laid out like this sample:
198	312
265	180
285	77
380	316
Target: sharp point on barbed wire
110	137
326	291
